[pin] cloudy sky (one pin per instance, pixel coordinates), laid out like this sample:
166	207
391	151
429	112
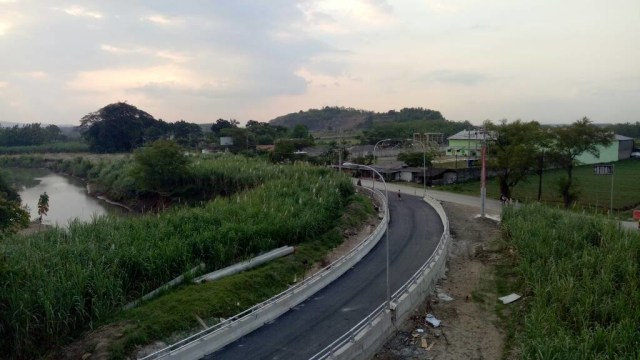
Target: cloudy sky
548	60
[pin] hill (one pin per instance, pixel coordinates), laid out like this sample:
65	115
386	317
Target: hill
334	118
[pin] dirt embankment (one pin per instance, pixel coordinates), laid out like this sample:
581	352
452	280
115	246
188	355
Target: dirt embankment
470	326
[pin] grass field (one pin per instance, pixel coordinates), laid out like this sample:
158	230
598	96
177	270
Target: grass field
578	275
59	282
595	190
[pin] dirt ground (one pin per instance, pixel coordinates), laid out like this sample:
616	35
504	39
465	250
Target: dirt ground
469	326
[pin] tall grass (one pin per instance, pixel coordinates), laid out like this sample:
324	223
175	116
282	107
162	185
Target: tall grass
582	284
56	283
57	147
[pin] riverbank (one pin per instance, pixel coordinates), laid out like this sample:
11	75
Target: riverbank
34	227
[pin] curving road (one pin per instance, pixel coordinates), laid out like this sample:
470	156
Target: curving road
414	232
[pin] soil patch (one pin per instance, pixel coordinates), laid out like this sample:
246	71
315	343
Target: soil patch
464	300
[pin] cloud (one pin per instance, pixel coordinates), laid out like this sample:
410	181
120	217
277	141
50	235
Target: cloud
3	84
118	79
38	75
4	28
163	54
458	77
162	20
80	11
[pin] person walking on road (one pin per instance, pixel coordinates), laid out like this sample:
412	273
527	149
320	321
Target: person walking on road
399	196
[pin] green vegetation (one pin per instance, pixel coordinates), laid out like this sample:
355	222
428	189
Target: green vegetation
58	282
223	298
43	206
514	151
415	159
378	125
579	278
57	147
159	167
595	194
12	216
567	143
30	135
405	129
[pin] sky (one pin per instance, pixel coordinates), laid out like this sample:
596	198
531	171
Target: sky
553	61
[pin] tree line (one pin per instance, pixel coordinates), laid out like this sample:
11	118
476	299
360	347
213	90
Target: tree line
121	127
30	135
518	149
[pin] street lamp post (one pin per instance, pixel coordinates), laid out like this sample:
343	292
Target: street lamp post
424	167
375	159
386	194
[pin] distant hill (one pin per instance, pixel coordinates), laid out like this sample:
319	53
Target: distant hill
335	118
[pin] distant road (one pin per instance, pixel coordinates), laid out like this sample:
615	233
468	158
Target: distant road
492	207
414	232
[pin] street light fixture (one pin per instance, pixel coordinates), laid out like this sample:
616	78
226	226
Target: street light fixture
375	159
386	194
424	166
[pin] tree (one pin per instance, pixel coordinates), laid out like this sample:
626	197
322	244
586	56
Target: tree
118	127
567	143
43	205
514	151
186	134
415	159
159	168
300	131
223	124
12	216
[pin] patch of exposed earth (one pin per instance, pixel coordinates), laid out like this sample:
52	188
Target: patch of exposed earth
464	300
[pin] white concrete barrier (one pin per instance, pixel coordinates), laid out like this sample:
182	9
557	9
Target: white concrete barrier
245	265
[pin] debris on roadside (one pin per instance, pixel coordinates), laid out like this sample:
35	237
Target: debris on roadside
508	299
444	297
432	320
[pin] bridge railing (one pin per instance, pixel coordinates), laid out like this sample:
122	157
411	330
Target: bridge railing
233	328
362	340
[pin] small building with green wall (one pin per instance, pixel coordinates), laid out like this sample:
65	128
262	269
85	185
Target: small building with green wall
467	142
619	149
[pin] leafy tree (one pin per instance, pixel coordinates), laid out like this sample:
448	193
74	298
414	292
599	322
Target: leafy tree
415	159
513	151
223	124
186	134
118	127
265	133
12	216
567	143
160	167
43	205
300	131
29	135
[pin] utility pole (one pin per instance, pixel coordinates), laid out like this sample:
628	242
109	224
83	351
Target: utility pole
483	175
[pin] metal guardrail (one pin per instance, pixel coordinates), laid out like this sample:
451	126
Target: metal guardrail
350	335
227	323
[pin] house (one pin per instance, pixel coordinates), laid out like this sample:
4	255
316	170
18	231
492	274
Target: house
619	149
468	142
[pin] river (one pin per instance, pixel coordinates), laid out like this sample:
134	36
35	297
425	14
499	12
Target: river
68	198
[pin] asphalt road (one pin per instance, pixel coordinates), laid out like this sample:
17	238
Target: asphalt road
414	232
